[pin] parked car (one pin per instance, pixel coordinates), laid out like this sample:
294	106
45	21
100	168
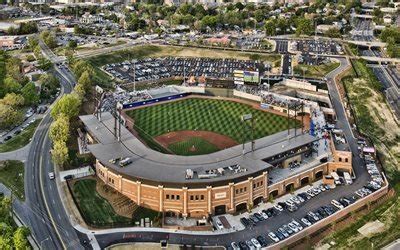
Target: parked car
256	244
262	240
273	237
306	222
235	246
337	204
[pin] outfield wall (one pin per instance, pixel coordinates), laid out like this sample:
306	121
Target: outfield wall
245	95
156	100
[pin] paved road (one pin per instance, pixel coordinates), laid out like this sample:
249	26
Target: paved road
44	211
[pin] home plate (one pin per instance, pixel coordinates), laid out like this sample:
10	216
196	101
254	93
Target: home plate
371	228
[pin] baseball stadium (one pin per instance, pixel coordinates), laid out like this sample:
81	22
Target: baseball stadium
188	154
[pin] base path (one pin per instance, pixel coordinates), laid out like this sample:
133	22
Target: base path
220	141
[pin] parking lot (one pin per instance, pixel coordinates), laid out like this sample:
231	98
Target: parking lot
317	47
277	220
252	42
282	46
152	69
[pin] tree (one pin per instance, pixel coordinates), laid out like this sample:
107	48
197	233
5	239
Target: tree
51	41
37	51
49	82
304	27
393	50
69	54
32	42
11	85
13	100
59	129
9	116
44	63
333	33
59	153
80	90
270	28
20	238
81	66
393	32
29	93
72	44
68	105
85	81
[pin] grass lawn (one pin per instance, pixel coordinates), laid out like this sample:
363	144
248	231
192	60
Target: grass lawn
95	210
219	116
315	71
185	147
20	140
163	51
12	176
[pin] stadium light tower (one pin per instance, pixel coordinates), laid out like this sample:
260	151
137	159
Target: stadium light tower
134	76
248	117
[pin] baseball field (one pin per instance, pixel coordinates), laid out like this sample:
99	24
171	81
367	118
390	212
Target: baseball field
197	126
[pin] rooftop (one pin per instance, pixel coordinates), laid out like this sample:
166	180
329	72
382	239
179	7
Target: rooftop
147	164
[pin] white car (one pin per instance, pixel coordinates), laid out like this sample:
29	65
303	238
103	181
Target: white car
278	207
293	227
306	222
219	225
337	204
297	224
273	237
235	246
51	175
264	215
256	243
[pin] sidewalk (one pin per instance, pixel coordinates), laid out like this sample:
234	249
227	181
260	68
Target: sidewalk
19	154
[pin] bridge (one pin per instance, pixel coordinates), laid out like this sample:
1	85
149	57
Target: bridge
364	16
367	44
380	59
37	19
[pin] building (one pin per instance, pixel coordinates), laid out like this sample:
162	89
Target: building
12	42
227	181
89	18
387	19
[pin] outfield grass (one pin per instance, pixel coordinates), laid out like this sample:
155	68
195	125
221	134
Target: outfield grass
12	176
20	140
96	210
184	147
315	71
219	116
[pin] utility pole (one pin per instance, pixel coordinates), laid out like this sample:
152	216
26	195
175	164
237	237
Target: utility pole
134	76
184	72
302	117
288	119
295	119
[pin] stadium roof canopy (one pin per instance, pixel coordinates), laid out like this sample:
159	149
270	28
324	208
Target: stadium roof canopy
150	165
